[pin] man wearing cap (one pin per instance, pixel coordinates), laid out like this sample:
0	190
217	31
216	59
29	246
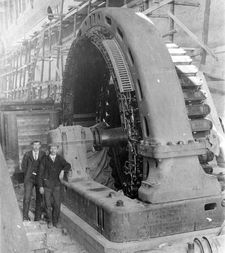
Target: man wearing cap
51	169
30	166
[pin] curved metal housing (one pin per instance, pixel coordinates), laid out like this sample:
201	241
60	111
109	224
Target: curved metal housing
173	182
160	99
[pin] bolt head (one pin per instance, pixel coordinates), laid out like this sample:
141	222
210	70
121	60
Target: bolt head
223	203
119	202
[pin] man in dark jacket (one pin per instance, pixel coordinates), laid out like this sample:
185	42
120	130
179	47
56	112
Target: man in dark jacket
51	169
30	166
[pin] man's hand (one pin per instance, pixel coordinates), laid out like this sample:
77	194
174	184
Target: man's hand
61	175
41	190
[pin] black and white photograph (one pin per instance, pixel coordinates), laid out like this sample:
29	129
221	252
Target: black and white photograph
112	126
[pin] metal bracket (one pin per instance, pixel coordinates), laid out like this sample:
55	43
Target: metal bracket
172	150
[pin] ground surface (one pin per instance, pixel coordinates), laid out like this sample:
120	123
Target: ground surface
41	238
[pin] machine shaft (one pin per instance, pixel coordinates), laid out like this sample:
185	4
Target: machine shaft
109	137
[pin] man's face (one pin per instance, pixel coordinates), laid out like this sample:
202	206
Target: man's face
53	150
36	146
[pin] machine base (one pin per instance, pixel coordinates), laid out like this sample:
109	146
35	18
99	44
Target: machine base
94	242
121	219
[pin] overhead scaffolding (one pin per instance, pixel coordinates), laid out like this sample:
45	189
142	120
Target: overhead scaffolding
34	71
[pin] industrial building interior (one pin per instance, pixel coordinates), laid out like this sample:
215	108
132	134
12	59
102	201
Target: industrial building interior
132	93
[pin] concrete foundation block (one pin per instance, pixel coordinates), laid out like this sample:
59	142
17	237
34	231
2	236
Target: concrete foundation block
94	242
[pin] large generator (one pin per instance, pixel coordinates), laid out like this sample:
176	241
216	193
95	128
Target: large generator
138	101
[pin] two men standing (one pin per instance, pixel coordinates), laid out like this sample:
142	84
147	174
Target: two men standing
43	172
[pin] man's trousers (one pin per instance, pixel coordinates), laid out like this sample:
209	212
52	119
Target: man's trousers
28	189
53	202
